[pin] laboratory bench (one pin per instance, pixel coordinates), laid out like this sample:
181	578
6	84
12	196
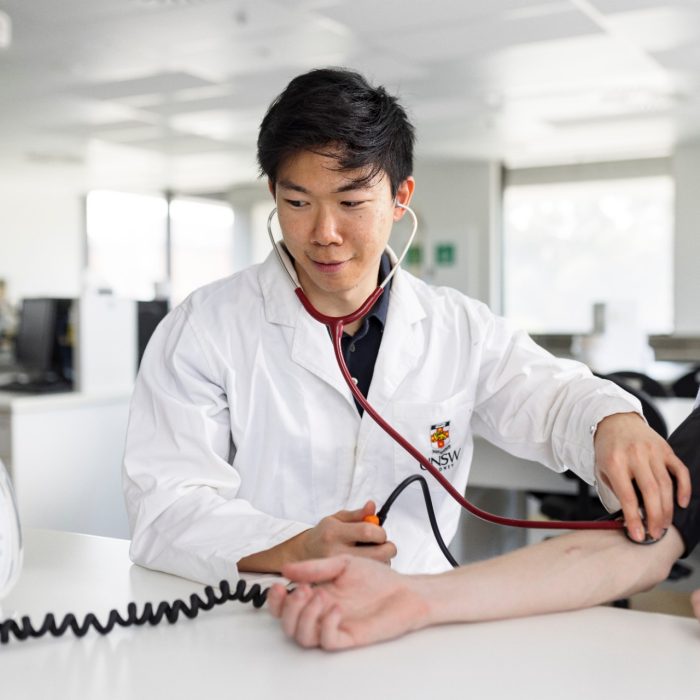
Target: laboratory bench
238	651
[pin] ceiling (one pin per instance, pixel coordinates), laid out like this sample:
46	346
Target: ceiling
170	93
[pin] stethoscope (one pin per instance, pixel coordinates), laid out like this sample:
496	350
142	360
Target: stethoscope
170	611
335	325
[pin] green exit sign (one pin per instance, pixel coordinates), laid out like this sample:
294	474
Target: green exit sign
444	254
414	256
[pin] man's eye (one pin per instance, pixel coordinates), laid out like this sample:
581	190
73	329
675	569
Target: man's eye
352	203
296	203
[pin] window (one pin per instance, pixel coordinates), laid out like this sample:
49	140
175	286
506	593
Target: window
569	245
201	240
126	248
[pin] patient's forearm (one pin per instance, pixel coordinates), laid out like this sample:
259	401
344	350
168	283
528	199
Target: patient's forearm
564	573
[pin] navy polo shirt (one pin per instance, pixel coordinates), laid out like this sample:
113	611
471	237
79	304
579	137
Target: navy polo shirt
360	350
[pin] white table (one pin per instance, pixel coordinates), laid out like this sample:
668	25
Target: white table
236	651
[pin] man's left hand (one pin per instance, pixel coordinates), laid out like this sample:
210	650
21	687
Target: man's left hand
627	450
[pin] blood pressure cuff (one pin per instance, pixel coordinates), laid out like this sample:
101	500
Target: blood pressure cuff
685	441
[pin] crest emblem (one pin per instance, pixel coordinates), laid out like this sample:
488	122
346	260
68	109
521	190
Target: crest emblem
440	436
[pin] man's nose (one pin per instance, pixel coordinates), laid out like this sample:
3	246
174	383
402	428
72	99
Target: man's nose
326	228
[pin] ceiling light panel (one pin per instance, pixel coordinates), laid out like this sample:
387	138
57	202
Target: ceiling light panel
659	28
163	83
488	35
387	17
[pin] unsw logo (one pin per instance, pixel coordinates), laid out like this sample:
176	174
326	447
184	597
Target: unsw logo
443	458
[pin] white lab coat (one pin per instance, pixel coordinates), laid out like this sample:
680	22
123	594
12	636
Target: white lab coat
243	433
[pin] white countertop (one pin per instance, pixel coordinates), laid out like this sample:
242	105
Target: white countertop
30	403
237	651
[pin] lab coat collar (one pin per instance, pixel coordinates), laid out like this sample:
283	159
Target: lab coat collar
280	302
311	346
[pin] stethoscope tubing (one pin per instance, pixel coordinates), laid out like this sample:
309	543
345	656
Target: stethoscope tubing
336	324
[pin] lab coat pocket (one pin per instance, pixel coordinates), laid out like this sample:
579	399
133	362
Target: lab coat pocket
441	432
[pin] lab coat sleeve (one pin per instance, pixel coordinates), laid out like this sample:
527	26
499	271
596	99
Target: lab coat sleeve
540	407
180	489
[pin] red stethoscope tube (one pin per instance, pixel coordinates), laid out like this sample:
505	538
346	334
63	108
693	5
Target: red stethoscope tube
335	325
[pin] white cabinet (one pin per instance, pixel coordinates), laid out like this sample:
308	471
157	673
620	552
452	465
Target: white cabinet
64	454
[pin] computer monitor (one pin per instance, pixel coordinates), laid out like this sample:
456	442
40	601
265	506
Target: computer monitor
149	315
43	347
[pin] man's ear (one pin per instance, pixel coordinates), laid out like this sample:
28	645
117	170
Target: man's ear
404	193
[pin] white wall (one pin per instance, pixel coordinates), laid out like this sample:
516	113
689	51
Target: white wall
686	253
457	202
248	242
41	230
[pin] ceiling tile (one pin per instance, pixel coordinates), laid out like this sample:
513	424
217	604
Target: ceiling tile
162	83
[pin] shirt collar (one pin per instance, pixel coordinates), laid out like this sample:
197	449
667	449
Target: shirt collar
381	306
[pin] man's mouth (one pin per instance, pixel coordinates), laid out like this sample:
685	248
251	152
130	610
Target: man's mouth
330	266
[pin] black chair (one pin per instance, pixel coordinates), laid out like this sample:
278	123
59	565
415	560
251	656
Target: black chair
640	381
688	385
651	413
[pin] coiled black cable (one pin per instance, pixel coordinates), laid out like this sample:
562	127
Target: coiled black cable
384	510
169	611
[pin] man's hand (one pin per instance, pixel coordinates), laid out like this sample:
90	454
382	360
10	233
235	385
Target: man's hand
627	450
339	533
356	602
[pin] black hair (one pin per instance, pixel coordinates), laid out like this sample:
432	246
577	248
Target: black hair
336	112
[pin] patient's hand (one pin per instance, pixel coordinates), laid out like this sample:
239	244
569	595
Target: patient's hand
356	602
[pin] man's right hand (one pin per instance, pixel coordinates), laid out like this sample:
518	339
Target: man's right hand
340	533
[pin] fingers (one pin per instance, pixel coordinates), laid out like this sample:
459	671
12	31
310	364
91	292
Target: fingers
630	507
293	607
658	491
355	516
653	506
368	533
315	570
303	614
629	452
651	467
378	552
331	636
275	599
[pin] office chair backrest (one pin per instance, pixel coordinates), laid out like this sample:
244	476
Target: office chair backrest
688	385
640	381
651	413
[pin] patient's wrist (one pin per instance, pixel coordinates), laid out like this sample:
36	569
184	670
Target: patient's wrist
432	603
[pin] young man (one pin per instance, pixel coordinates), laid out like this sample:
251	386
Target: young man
245	448
357	602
